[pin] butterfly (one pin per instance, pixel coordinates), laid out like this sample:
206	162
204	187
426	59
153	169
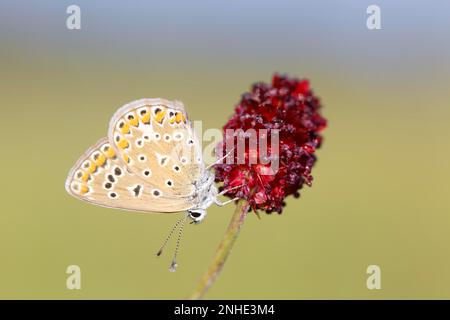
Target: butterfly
151	161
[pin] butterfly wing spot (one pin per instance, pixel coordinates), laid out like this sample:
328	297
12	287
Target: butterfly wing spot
107	185
156	110
82	176
159	114
108	151
176	168
132	119
89	166
184	160
142	158
136	190
113	195
99	159
126	158
111	178
177	136
173	117
147	173
81	189
167	137
117	171
162	160
156	193
157	136
78	188
190	142
144	114
123	127
169	183
179	117
139	143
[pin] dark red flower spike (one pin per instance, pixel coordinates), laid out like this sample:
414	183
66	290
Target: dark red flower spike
289	107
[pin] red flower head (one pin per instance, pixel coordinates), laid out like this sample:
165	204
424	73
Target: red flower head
285	112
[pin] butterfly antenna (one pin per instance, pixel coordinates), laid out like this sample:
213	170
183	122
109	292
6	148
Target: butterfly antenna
174	265
168	237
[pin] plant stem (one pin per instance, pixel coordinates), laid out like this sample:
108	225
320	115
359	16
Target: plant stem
224	249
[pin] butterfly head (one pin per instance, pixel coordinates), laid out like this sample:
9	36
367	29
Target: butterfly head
197	215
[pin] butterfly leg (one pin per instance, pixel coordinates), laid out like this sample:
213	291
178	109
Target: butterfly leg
228	190
220	160
221	204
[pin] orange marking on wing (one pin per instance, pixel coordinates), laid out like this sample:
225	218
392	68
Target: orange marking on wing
85	177
125	129
123	144
146	118
159	117
92	167
109	153
84	189
134	122
101	160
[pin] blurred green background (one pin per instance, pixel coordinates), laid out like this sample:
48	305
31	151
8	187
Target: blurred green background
381	190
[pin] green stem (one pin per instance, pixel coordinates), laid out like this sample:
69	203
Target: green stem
224	249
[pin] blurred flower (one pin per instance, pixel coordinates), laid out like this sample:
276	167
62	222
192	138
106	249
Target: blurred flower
289	106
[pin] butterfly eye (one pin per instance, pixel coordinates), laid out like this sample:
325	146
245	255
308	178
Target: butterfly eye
195	214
